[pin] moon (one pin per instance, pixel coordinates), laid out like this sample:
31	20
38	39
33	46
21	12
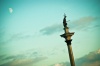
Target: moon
10	10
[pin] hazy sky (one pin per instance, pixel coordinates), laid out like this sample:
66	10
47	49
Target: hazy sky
32	28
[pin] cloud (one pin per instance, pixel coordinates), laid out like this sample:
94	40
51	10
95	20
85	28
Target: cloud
61	64
20	56
21	60
58	64
26	61
80	24
10	10
84	23
14	37
91	59
11	38
52	29
28	58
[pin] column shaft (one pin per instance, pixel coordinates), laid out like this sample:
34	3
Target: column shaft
71	55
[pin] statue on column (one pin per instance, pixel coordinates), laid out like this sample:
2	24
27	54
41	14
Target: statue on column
64	21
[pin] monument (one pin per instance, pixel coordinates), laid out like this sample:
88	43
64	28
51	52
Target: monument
67	35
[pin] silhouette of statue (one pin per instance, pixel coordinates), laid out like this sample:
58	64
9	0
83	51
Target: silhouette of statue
64	21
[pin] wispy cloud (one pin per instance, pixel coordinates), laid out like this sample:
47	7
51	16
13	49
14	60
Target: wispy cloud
83	22
15	37
79	24
58	64
91	59
23	59
23	62
52	29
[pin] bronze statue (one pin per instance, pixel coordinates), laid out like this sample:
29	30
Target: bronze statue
64	21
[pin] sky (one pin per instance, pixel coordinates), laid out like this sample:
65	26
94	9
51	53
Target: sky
30	32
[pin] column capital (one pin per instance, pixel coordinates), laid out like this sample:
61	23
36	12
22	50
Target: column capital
68	41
